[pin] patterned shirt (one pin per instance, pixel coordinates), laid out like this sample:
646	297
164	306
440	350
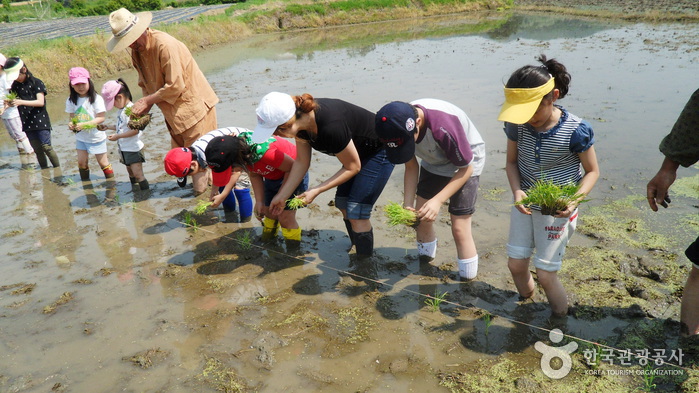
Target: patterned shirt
33	118
551	155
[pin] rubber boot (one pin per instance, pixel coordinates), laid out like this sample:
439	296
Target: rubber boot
468	268
108	172
51	154
364	242
84	174
26	146
143	184
269	229
39	152
292	237
111	190
350	232
244	203
133	180
427	251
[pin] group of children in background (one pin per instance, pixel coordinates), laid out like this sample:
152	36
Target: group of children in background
545	142
27	120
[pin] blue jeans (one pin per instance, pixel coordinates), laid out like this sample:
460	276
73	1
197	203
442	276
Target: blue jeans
273	186
359	194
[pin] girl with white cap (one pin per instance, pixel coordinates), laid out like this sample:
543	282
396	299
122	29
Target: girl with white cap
10	117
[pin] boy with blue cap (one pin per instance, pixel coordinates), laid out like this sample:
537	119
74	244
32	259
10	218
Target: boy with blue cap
452	155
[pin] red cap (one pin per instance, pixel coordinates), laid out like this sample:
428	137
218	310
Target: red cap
220	179
178	161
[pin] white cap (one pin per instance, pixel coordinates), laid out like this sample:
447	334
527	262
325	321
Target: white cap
274	110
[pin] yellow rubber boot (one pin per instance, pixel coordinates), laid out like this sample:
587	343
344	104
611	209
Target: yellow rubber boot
292	234
269	228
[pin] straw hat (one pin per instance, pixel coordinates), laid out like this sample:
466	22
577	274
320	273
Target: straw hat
126	28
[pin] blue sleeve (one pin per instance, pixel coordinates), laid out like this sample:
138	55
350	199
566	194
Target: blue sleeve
583	138
511	131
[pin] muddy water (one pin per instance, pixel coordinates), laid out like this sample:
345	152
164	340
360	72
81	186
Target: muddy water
89	286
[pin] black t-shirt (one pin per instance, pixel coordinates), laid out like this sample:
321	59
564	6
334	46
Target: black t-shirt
339	122
33	118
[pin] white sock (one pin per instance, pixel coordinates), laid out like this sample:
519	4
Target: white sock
427	249
468	268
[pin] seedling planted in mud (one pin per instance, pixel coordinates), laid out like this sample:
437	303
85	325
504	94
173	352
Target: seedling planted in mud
398	215
435	301
551	197
202	205
245	240
488	319
191	222
648	378
295	203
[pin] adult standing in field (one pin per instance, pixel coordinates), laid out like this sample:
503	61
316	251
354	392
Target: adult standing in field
681	147
170	78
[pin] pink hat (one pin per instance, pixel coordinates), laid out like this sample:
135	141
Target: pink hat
110	89
78	75
3	59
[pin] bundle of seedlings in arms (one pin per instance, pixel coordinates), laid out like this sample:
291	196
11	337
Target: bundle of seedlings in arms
83	126
137	122
295	203
398	215
202	205
551	197
11	96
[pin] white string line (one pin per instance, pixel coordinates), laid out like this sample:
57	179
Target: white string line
367	279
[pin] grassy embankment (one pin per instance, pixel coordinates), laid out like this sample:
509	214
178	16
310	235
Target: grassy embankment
50	60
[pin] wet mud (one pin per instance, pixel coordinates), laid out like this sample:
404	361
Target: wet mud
120	290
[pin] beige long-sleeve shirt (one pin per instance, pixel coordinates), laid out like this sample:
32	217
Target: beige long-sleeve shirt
167	69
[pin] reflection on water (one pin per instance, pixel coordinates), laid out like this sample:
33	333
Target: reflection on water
141	280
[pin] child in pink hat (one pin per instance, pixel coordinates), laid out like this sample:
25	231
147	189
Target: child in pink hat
116	93
86	110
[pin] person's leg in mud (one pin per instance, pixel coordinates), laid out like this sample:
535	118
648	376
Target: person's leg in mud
25	149
83	165
689	310
38	150
45	138
461	207
555	293
520	246
291	230
425	235
356	199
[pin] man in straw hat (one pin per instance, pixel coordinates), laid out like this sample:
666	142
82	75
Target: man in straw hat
169	77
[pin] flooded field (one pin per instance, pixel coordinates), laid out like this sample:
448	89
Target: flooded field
114	294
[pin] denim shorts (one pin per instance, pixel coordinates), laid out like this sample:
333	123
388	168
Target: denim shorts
43	136
358	195
462	203
92	148
272	188
547	234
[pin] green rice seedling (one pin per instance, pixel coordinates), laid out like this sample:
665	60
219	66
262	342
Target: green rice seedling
551	197
488	319
398	215
11	96
202	205
245	240
190	222
83	126
435	301
295	203
648	378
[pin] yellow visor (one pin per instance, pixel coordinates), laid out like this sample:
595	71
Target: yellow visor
521	104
